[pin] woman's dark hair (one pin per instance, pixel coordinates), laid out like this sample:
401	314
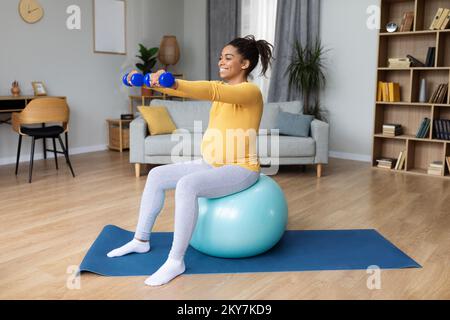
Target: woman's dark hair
251	50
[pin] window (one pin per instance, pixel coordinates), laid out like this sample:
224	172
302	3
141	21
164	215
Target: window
258	18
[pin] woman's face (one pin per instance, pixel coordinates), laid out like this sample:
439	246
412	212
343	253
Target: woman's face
231	63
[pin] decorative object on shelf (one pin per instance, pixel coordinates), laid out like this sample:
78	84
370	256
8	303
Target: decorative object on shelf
423	91
391	27
148	61
307	75
39	88
15	89
399	63
169	51
415	62
407	22
31	11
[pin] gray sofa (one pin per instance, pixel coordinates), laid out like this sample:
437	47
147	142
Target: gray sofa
147	149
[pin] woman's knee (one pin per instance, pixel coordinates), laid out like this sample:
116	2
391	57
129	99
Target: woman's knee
155	176
187	185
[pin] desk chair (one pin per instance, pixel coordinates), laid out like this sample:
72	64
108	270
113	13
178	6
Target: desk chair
41	111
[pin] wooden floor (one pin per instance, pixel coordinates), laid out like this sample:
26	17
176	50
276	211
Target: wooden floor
48	226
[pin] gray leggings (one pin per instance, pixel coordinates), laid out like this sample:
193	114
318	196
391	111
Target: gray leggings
191	180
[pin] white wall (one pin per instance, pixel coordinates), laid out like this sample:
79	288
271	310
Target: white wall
194	45
350	93
64	60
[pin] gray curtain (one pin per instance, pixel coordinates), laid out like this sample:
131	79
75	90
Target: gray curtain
223	26
296	20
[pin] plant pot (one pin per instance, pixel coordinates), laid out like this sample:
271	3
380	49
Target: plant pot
146	91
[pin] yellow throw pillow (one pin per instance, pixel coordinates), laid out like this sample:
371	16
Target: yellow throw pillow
158	120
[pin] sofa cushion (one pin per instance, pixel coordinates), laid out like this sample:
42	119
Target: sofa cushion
185	113
158	120
179	141
271	110
162	145
294	124
288	146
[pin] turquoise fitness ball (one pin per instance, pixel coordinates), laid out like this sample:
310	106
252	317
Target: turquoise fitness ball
242	224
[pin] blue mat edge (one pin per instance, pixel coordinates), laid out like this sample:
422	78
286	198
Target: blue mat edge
415	265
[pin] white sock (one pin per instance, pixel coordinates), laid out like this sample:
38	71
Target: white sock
168	271
134	246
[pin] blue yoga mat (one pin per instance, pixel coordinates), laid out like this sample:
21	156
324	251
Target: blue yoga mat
296	251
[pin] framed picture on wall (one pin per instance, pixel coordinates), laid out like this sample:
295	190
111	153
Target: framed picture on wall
39	88
110	26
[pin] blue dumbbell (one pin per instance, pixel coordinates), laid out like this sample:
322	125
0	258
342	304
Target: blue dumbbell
138	80
166	80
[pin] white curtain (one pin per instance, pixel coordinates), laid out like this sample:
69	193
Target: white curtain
258	18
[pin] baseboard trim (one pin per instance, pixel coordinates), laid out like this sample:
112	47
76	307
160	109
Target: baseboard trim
40	156
350	156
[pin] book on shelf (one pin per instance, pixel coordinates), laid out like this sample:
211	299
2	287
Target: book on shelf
407	22
436	19
380	91
392	130
441	129
399	63
442	19
400	160
388	92
436	168
386	163
431	56
446	23
440	94
447	159
424	128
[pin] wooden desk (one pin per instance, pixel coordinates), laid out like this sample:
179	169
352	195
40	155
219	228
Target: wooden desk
10	104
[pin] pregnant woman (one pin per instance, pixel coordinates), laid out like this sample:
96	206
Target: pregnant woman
222	170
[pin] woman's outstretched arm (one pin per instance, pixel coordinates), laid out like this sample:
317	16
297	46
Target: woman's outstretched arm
244	93
171	92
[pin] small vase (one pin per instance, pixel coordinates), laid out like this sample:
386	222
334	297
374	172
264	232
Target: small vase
15	91
423	91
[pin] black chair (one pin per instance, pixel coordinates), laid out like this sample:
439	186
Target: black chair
39	111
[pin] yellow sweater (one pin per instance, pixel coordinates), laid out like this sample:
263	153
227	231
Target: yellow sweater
235	116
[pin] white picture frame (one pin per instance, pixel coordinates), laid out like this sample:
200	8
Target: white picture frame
38	88
110	26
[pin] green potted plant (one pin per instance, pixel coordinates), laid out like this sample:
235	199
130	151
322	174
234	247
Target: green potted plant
306	74
148	58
